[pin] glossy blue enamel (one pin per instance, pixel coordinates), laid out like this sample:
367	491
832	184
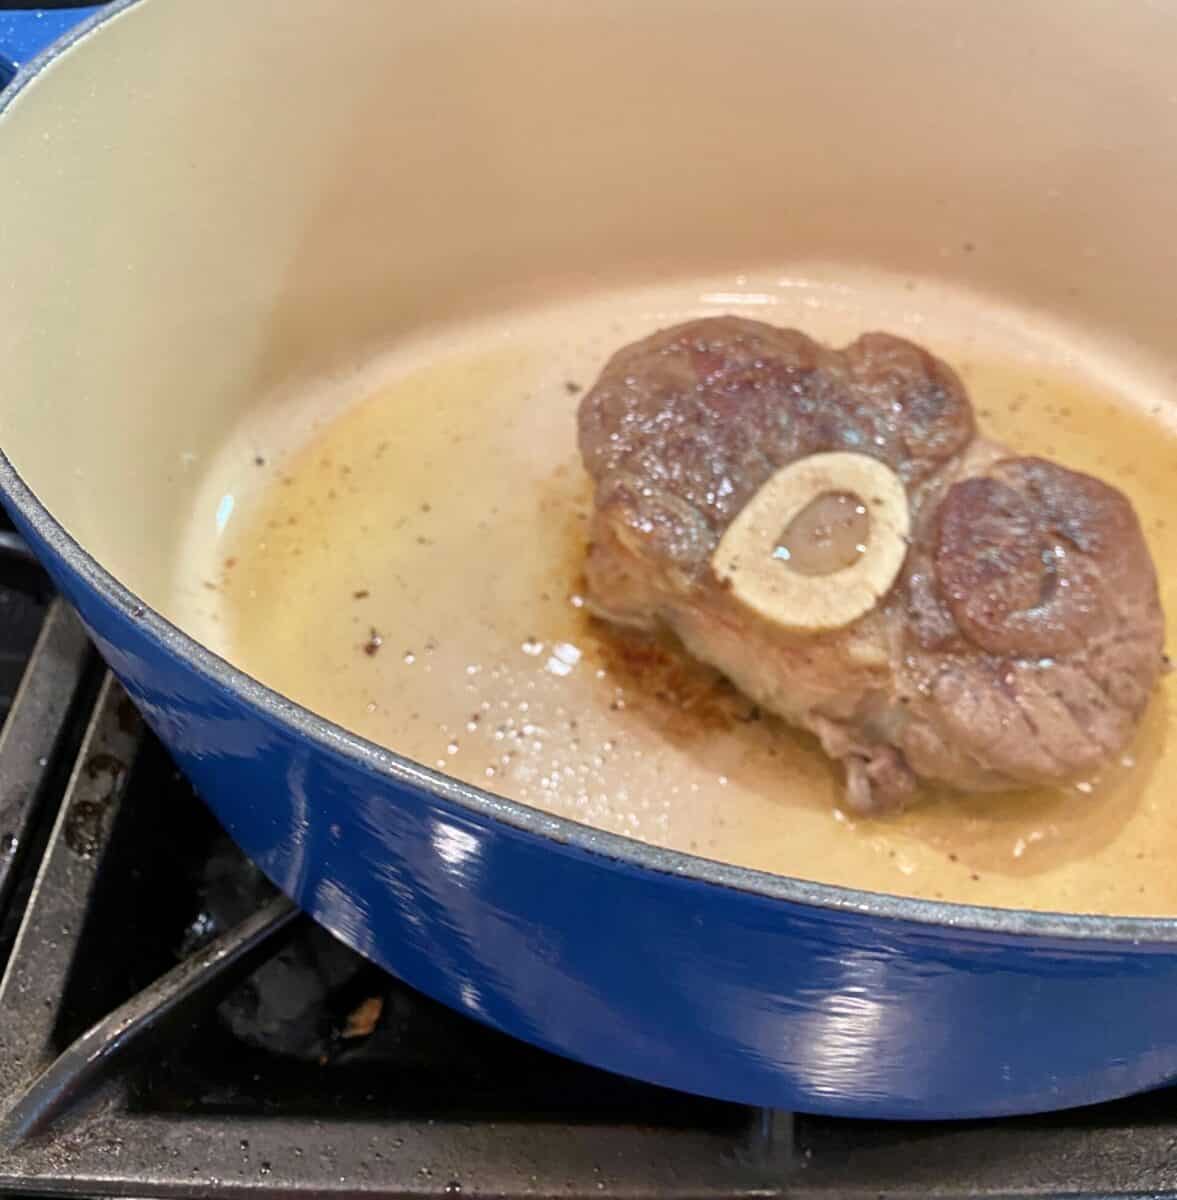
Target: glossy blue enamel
24	33
702	977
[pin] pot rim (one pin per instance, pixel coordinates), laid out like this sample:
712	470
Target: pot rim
278	710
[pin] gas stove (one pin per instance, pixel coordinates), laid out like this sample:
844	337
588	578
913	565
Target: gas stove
170	1026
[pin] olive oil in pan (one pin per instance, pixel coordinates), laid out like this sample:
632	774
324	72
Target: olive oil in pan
412	571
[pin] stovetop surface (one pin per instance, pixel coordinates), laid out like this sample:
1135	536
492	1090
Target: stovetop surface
302	1069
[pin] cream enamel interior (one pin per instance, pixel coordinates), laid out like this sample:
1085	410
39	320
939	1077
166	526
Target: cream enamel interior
210	203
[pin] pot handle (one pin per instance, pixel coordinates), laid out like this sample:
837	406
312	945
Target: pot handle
25	32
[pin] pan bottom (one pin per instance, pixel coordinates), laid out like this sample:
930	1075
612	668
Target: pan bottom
398	549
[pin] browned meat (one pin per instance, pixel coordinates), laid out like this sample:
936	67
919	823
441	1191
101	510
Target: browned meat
1017	644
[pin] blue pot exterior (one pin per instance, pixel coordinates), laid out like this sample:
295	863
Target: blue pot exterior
682	981
24	33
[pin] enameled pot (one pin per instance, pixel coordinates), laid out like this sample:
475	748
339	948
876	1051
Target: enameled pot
202	199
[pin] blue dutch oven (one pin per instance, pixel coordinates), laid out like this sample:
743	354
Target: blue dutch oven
201	198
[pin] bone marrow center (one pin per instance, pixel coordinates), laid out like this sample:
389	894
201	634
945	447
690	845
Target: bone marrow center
819	544
829	534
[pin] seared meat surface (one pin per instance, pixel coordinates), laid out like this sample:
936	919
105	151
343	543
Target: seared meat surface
1016	644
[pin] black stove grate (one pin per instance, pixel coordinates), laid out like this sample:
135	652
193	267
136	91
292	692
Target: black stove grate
249	1053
